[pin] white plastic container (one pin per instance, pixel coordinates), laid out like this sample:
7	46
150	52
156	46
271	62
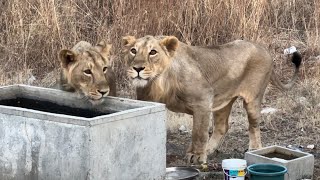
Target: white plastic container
234	169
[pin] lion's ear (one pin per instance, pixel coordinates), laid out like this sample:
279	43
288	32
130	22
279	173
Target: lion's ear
66	57
103	48
171	43
128	41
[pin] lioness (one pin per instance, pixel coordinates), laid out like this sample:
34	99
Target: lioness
86	70
201	80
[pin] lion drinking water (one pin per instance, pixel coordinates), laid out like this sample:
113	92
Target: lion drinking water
86	70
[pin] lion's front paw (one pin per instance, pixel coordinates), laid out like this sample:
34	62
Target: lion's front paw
255	146
195	156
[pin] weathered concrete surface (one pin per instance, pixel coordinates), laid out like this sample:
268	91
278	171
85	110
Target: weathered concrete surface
36	149
301	167
34	145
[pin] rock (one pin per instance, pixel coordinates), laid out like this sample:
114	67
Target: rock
303	100
311	146
31	80
183	130
268	110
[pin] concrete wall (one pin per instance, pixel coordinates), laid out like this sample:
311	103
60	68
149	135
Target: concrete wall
33	149
131	147
129	144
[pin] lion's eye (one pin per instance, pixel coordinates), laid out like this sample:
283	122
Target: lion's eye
105	69
133	51
88	71
153	52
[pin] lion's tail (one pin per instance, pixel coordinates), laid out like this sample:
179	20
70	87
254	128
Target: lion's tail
296	59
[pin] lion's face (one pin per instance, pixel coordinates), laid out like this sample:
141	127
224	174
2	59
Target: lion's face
148	57
85	70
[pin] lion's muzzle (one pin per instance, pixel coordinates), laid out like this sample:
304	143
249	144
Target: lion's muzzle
138	69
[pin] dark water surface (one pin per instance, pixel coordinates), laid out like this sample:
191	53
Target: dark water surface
51	107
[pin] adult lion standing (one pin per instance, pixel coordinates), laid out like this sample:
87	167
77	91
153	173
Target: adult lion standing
201	80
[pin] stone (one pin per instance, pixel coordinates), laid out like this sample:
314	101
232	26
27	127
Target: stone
268	110
311	146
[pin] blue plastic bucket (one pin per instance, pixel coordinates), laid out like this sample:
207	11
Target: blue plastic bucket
266	172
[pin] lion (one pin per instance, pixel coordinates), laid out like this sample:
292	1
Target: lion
86	69
202	81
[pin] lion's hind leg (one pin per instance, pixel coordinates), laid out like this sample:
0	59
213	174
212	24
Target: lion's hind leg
254	115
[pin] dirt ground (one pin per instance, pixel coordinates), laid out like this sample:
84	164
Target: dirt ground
234	146
287	126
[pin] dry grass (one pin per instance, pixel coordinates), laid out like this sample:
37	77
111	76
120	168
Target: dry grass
302	105
33	31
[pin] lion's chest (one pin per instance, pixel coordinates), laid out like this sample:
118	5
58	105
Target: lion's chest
175	103
178	106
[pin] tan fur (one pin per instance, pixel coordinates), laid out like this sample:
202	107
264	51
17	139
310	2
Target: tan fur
202	80
82	58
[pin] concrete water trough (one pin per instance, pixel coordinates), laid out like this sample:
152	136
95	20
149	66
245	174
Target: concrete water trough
300	164
55	135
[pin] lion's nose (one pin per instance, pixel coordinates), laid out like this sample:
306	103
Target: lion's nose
138	69
103	91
